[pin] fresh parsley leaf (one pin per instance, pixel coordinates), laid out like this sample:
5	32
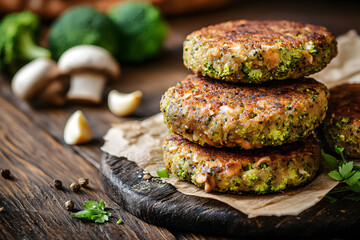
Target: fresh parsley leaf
354	179
345	169
346	172
330	160
334	174
94	211
93	204
340	152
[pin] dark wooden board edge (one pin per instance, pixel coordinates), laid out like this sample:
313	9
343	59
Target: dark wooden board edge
159	203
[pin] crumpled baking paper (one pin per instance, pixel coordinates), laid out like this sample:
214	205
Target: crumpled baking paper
345	67
141	142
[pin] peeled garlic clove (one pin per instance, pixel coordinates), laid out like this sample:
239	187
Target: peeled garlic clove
77	130
123	104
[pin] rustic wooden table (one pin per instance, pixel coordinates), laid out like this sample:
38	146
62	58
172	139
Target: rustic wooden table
32	147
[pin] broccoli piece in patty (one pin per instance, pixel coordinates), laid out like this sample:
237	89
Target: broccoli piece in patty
82	25
141	28
18	32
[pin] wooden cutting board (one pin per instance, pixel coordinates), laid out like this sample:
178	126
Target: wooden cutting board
159	203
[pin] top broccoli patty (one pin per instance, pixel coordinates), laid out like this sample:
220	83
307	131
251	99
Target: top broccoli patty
342	123
258	51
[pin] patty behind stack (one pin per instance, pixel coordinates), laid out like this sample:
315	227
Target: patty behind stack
342	123
232	134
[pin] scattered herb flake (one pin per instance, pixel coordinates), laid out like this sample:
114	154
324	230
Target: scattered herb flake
162	172
120	221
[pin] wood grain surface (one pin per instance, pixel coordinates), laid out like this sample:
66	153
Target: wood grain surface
35	159
32	147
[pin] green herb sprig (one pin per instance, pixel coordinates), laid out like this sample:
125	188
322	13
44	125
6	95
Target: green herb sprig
343	171
94	211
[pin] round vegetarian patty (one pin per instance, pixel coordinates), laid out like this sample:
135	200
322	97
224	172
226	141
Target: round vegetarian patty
258	51
342	123
235	170
223	114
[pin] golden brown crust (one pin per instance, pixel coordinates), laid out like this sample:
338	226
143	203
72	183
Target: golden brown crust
276	93
270	169
223	114
242	157
258	51
258	33
345	101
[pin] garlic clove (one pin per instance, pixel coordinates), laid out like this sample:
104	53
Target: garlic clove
77	130
123	104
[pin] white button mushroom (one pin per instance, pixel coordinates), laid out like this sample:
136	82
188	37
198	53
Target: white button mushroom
77	130
40	80
89	68
123	104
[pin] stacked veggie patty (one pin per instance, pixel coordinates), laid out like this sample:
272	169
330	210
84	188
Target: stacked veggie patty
258	51
342	123
232	134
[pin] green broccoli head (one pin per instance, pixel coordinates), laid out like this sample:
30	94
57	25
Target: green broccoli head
141	29
82	25
17	41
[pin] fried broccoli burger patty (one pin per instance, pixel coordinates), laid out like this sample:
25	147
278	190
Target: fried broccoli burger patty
342	123
235	170
222	114
258	51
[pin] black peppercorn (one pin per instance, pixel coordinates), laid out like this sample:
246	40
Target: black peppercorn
83	182
75	187
57	183
5	173
69	205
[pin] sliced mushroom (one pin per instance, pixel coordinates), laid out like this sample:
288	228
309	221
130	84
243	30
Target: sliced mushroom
123	104
36	79
77	130
89	68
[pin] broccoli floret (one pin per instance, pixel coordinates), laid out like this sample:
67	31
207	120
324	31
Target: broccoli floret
82	25
141	29
17	41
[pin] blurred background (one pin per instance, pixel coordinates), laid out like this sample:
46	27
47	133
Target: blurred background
340	15
153	75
